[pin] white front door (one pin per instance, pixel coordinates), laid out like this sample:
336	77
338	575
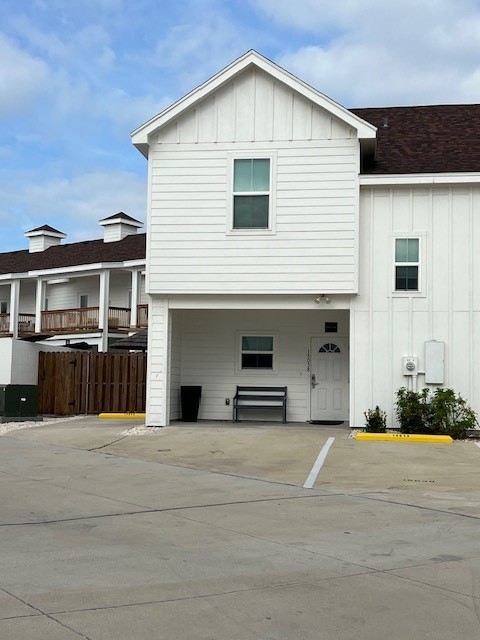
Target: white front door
329	378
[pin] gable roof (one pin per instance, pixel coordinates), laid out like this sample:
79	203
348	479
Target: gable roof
75	254
251	58
425	139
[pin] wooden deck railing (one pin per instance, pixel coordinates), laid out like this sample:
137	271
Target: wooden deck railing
86	319
75	320
26	324
142	315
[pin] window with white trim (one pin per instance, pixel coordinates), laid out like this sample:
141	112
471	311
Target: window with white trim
257	352
83	300
251	193
407	264
3	306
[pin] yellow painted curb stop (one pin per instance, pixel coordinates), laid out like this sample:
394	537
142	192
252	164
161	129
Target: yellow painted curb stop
404	437
120	416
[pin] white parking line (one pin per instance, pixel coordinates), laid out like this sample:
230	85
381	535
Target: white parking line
310	481
478	444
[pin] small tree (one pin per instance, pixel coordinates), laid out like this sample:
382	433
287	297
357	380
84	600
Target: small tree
375	420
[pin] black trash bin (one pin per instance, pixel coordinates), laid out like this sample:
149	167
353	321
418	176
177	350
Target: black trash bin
190	399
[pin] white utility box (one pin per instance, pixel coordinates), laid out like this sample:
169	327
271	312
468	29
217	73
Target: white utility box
410	366
434	362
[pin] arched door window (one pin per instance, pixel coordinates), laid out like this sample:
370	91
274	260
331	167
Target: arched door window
329	347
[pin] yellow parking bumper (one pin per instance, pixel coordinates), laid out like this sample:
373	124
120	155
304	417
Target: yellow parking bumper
403	437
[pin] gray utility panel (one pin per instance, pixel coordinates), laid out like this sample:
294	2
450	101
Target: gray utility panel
17	400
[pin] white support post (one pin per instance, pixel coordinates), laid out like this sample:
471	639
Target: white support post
14	307
135	298
158	363
103	304
39	300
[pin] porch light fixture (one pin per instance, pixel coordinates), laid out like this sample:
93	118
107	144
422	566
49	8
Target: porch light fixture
323	298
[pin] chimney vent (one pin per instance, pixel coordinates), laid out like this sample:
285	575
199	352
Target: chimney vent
119	226
43	238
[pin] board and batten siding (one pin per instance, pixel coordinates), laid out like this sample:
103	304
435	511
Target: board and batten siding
314	196
385	326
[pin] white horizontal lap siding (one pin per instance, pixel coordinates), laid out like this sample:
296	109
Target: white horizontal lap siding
66	295
313	248
314	188
387	326
209	351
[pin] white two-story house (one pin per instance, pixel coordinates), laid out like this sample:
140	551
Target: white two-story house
88	293
294	242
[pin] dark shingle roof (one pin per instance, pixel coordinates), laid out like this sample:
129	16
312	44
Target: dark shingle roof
77	253
122	216
136	342
45	227
430	139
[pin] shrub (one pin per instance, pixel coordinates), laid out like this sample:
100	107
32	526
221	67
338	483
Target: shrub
413	411
451	414
375	420
441	413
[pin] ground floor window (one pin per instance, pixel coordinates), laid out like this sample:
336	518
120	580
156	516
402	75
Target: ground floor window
257	352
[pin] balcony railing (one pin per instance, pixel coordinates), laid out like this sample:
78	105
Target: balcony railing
75	320
84	320
142	315
26	324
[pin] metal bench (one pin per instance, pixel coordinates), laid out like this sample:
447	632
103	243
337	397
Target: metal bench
260	398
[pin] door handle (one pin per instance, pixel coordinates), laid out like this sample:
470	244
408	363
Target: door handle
313	381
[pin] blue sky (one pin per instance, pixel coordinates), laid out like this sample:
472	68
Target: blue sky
77	76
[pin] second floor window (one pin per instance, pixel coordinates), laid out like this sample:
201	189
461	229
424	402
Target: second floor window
407	264
251	193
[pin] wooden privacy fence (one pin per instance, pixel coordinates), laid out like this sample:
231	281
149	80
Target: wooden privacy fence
80	382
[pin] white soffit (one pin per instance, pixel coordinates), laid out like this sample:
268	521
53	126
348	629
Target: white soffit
364	129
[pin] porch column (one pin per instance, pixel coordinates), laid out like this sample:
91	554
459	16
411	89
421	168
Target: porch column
135	298
103	304
158	363
14	307
39	301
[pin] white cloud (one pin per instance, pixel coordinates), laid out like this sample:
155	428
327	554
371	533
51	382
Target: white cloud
371	52
75	205
199	48
22	78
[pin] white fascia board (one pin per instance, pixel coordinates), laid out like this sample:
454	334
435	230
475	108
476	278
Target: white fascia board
140	135
100	266
126	223
135	263
275	301
418	178
13	276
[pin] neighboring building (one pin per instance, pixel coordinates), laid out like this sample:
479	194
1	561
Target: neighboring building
91	292
294	242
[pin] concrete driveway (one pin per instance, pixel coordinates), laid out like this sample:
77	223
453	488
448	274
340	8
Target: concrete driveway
106	537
